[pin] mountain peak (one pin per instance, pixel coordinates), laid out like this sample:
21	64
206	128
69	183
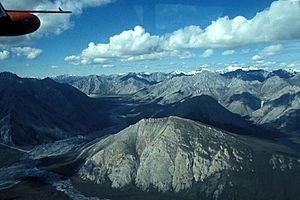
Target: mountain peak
282	73
170	144
8	76
176	154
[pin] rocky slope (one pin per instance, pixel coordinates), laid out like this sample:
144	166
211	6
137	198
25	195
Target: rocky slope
178	88
193	160
251	75
247	98
282	113
259	75
203	109
35	111
295	80
114	84
247	93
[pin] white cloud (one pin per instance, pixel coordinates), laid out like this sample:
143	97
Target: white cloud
278	23
228	52
204	66
268	51
28	52
4	55
232	67
50	24
185	38
239	66
292	67
72	58
108	66
271	50
257	58
265	65
207	53
261	62
130	45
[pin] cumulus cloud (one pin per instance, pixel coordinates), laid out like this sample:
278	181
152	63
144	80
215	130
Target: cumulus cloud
271	50
71	58
257	58
50	24
207	53
130	45
28	52
268	51
4	55
281	21
228	52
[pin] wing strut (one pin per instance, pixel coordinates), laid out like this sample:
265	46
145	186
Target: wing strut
38	11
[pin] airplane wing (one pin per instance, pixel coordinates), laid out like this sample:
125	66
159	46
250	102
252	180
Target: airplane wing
38	11
2	11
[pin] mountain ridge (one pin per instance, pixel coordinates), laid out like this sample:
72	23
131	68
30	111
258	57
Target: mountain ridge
36	111
189	158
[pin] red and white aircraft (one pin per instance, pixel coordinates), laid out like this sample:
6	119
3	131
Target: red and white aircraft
21	22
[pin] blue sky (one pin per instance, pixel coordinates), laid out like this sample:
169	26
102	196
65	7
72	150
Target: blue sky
107	37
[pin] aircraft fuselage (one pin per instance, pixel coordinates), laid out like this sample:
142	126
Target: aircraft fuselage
18	23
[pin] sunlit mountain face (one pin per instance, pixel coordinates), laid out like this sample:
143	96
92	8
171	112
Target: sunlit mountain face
140	99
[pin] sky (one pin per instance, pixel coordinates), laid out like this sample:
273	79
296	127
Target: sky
119	36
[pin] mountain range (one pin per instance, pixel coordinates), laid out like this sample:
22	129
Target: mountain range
246	93
197	135
38	111
114	84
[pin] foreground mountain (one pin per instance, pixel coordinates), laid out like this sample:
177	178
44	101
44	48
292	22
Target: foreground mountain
35	111
193	160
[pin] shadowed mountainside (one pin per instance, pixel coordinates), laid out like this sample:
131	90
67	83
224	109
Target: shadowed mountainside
36	111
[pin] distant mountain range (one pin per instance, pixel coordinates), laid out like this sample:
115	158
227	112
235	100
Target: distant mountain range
246	98
114	84
36	111
203	109
259	75
246	93
131	82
